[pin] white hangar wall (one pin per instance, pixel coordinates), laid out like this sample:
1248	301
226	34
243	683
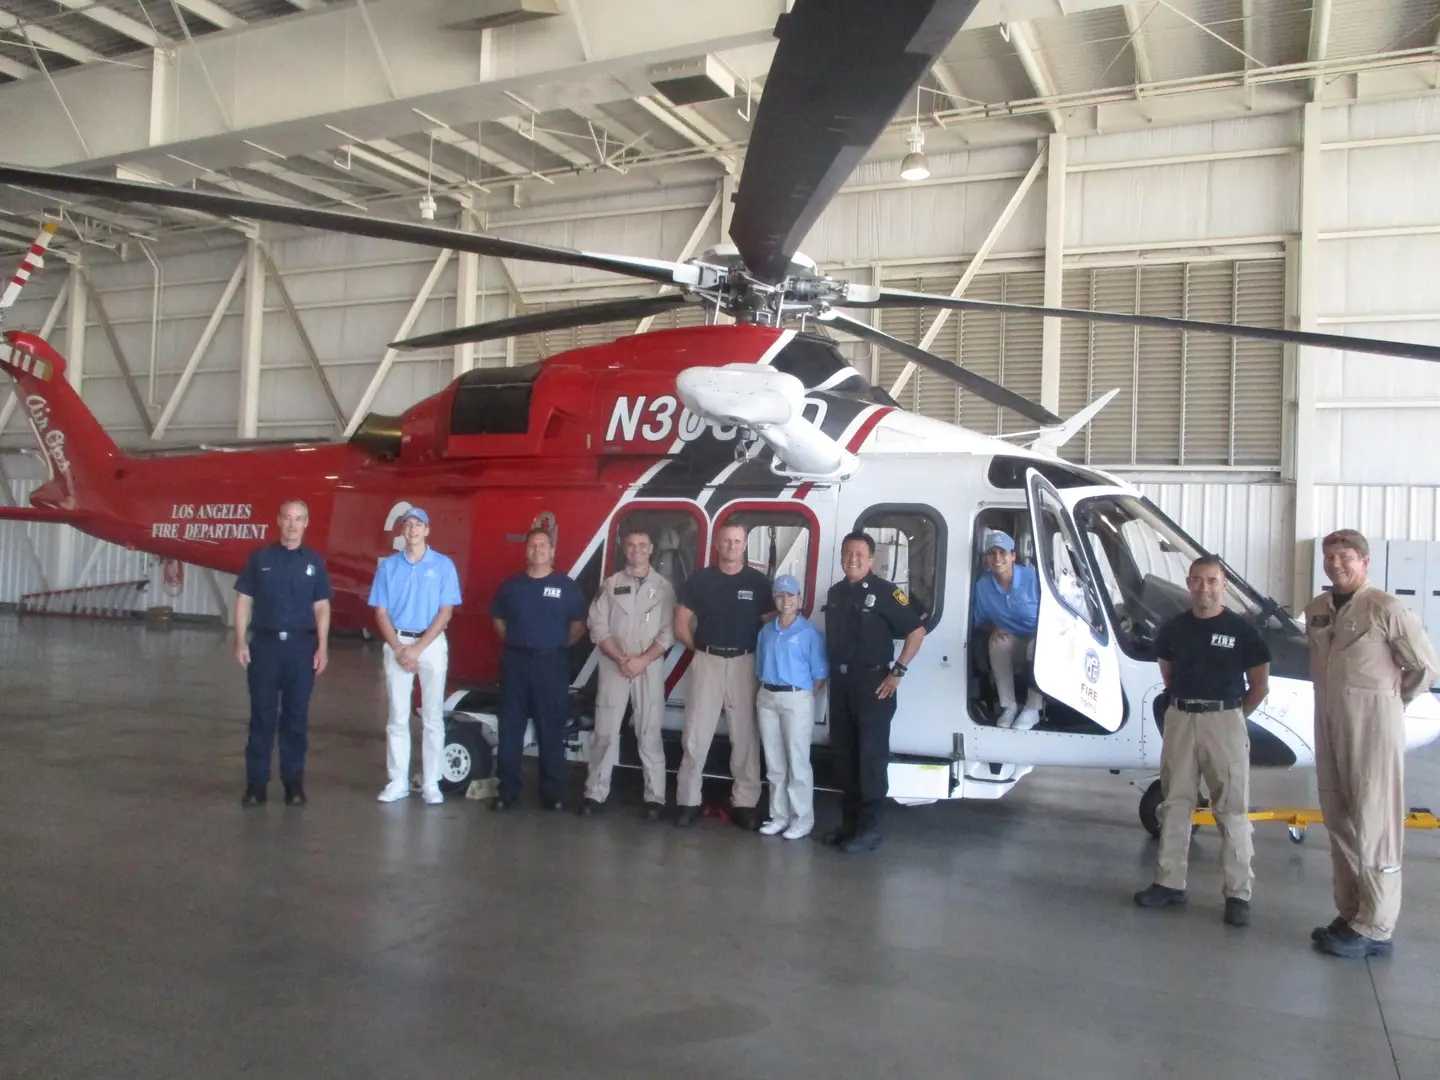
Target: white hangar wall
1152	218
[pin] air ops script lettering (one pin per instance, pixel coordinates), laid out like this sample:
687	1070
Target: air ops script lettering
50	436
658	419
209	521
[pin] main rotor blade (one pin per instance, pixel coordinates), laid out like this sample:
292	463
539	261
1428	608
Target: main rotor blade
129	191
583	315
841	72
1379	346
977	384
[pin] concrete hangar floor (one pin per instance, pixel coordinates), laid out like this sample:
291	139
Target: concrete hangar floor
151	928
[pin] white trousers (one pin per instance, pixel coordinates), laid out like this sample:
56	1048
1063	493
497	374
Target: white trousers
400	685
1002	664
787	720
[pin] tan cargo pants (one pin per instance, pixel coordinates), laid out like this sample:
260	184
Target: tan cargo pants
1215	746
720	684
1360	770
646	693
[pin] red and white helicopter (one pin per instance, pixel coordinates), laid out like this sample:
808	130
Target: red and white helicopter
683	431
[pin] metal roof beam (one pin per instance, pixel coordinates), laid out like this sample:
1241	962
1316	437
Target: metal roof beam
666	116
443	132
1319	42
15	69
1022	38
304	181
1135	26
134	29
212	12
546	141
45	40
945	77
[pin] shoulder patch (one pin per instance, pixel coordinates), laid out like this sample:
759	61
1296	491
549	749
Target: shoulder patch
901	598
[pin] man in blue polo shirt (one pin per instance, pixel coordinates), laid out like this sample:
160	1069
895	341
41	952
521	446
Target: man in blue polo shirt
414	595
283	597
538	615
1007	610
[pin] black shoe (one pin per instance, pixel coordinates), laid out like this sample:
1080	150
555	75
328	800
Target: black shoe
685	816
1237	911
1353	945
1160	896
745	817
552	804
503	802
590	807
1336	925
837	837
863	841
654	811
295	795
255	795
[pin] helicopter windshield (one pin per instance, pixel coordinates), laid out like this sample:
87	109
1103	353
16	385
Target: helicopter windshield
1143	560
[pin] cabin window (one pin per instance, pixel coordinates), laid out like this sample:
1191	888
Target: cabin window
677	539
1062	561
910	551
778	541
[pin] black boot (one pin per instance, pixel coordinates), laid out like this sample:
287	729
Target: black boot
295	794
255	795
685	816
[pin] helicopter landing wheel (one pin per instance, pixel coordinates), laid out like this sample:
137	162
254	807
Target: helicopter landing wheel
1150	810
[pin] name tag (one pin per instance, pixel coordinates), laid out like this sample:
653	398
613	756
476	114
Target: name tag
745	594
552	591
1320	620
622	590
1223	641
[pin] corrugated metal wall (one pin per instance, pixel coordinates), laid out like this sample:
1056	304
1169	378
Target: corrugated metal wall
1394	512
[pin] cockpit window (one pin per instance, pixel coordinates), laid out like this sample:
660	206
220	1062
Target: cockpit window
1143	560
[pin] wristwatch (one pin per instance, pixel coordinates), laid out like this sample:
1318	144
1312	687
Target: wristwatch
898	670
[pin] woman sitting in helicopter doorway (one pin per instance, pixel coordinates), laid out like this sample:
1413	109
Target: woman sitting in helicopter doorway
1006	610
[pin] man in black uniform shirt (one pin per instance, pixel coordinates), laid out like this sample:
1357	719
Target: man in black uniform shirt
538	614
864	614
1216	668
719	616
283	597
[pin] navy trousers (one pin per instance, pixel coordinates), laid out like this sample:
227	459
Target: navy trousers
281	676
534	685
860	745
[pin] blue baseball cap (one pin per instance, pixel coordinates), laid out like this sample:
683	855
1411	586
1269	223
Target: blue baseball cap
994	538
417	514
786	583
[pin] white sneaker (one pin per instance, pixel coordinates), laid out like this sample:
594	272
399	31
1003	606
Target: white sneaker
798	832
774	827
1006	717
393	792
1027	719
432	796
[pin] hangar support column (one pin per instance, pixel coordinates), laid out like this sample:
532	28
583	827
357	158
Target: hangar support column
1054	273
1305	359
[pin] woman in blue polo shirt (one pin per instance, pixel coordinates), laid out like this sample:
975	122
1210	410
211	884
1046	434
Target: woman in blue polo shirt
791	664
1007	609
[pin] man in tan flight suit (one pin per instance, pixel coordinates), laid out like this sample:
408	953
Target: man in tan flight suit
631	623
1369	658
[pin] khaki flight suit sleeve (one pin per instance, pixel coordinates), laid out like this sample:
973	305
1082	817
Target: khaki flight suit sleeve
1413	652
665	612
599	619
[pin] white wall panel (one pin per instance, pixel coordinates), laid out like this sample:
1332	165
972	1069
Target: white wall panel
1381	512
1244	523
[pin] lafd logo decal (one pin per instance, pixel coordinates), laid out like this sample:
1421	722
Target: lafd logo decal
1092	666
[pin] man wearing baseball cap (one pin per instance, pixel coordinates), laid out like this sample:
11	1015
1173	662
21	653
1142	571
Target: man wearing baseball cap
415	592
1007	611
792	667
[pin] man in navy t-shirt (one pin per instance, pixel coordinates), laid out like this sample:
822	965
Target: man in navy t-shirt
538	614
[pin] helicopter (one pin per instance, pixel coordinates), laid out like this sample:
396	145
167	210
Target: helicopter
759	422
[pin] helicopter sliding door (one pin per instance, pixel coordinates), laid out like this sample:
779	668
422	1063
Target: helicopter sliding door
1076	661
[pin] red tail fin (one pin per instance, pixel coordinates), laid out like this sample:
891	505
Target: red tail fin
82	458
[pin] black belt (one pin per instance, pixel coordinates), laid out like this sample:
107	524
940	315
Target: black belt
860	669
725	652
410	633
1196	705
776	688
282	635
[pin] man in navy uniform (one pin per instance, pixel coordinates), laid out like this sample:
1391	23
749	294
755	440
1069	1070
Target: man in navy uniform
414	594
538	615
864	614
283	598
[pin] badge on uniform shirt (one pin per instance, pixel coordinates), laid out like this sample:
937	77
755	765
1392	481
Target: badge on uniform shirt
1320	620
622	590
552	591
310	570
901	598
869	600
745	594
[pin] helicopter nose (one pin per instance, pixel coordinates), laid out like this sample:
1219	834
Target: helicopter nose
1422	721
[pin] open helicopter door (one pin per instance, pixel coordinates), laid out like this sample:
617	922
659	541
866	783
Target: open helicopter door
1076	662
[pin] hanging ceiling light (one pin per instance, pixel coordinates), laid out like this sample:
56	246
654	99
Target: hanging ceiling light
915	167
